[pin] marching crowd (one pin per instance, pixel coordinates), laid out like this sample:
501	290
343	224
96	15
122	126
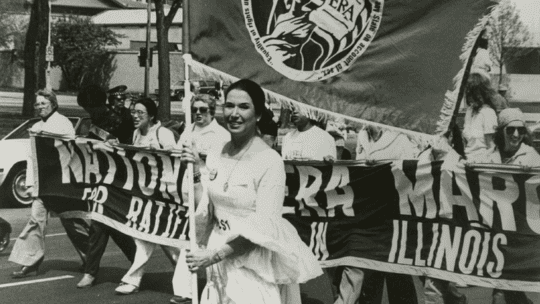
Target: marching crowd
240	181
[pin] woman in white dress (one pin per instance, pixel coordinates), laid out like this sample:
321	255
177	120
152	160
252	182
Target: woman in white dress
252	254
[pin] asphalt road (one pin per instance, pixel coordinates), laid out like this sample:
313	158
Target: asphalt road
58	276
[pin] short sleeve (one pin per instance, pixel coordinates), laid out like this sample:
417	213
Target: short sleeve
271	185
166	138
331	146
65	127
490	121
407	149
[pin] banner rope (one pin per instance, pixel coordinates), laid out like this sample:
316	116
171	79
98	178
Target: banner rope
205	71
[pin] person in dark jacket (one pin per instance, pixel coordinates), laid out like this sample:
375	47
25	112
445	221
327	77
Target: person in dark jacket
109	125
109	122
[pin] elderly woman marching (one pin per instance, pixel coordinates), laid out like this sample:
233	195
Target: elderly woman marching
29	249
207	135
252	254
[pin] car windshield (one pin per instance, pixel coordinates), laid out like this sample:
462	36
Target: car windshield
21	132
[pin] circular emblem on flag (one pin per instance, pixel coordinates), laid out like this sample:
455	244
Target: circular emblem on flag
311	40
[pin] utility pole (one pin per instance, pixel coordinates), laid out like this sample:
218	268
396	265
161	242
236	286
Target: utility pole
49	52
148	51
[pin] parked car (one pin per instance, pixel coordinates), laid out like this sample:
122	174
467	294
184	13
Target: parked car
535	131
15	147
200	86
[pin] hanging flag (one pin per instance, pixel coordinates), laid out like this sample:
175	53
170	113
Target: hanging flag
389	62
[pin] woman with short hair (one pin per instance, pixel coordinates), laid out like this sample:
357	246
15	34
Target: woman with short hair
150	134
29	248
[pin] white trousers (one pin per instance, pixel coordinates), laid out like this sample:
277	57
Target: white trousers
182	277
144	251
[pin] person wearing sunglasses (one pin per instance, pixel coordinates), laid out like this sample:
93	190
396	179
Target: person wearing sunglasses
513	141
148	134
512	146
207	135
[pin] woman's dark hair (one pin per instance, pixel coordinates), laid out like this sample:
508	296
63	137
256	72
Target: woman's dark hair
266	124
254	91
150	106
207	99
480	90
498	137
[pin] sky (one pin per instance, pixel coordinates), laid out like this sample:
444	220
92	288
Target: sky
530	14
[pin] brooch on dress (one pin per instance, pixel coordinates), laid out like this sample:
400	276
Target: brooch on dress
213	174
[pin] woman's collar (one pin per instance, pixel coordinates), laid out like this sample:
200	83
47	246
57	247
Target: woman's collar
44	119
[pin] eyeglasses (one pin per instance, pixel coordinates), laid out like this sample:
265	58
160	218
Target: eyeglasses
512	130
202	110
138	113
40	104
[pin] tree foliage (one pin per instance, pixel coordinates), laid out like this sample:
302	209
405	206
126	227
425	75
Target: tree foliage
506	34
80	50
13	25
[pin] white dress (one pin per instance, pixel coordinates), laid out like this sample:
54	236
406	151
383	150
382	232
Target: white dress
250	206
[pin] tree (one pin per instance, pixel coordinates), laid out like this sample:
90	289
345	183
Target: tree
163	24
34	54
13	26
80	50
506	35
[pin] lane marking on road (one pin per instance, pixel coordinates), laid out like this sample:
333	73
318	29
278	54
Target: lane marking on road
37	281
48	235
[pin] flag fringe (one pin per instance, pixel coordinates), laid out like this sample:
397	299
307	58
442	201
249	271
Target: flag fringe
205	71
450	98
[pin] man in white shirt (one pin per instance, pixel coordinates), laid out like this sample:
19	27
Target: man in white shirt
307	142
29	249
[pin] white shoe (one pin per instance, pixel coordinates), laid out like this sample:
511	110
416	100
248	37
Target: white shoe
126	289
86	281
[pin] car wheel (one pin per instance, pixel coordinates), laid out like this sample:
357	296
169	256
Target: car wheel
14	187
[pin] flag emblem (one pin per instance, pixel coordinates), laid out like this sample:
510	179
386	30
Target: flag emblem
311	40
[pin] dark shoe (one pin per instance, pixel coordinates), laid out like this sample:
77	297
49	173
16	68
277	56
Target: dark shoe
27	270
180	300
4	242
86	281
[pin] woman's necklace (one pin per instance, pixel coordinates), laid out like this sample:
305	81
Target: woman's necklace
226	184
